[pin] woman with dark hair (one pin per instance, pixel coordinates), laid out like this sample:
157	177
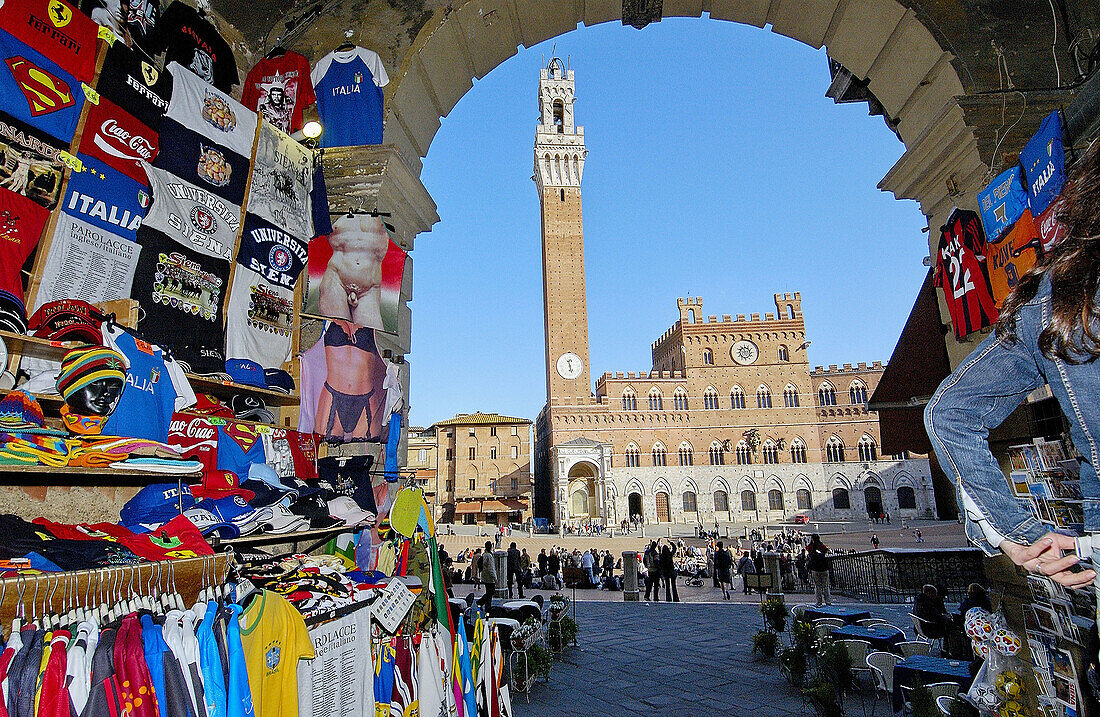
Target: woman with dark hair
1048	333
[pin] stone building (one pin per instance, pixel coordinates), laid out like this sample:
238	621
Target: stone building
483	473
731	425
422	460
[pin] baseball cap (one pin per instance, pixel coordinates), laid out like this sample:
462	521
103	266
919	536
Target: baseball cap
237	511
348	510
208	523
220	484
264	494
279	380
247	372
282	520
156	503
208	405
68	320
13	314
250	408
315	509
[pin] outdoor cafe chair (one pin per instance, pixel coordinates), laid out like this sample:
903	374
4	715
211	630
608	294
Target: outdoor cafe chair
857	653
830	621
919	629
868	621
823	630
936	689
797	611
914	647
945	703
882	666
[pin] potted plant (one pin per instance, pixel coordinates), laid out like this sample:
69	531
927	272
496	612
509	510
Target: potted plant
793	661
802	634
766	643
836	664
562	633
774	610
536	665
822	696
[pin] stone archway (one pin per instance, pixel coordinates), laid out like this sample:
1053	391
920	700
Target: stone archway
634	506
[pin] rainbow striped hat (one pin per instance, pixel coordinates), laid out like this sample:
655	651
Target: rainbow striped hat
82	366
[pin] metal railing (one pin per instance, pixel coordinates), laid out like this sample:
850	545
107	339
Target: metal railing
893	575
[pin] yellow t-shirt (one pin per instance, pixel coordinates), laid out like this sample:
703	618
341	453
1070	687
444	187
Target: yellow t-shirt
274	637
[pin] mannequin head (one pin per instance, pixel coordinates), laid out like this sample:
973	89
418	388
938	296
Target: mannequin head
98	398
91	380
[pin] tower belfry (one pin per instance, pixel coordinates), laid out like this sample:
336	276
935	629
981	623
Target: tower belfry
559	165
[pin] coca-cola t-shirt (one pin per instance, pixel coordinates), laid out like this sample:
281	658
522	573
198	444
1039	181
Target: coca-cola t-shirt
106	199
1052	230
196	438
279	88
282	181
35	90
134	83
56	29
21	222
192	157
194	216
30	162
212	113
195	44
118	139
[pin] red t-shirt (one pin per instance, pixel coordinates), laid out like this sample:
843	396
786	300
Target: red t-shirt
960	272
117	138
57	30
279	89
195	438
1052	230
21	223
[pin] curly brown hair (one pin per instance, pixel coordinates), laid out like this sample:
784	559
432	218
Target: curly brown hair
1074	269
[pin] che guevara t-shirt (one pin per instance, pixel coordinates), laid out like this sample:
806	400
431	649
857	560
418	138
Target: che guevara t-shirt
203	163
106	199
35	90
194	216
212	113
31	162
135	84
279	88
282	181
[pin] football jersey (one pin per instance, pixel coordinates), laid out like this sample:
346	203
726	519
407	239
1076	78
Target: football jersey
56	29
196	438
154	389
21	223
136	18
279	88
281	182
106	199
274	638
36	91
1002	202
349	86
30	161
960	272
116	138
206	165
135	84
1010	257
195	217
212	113
1044	162
194	43
86	262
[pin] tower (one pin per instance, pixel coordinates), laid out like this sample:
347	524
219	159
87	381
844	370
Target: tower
559	164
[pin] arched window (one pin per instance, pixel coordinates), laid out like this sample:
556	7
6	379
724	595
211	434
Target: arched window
659	456
826	394
857	393
708	357
717	455
840	499
802	496
770	452
687	457
744	454
900	456
680	400
907	498
784	354
775	499
790	396
798	451
632	456
834	450
689	503
867	450
763	397
748	500
721	501
559	116
630	401
580	502
655	400
710	399
737	398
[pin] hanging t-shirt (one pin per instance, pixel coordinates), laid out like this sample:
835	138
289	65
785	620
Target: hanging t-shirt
259	319
213	679
291	454
118	139
212	113
1052	230
106	199
349	97
239	446
960	272
1044	162
196	438
318	200
136	18
269	250
192	157
1008	259
134	83
86	262
193	216
183	293
1002	202
56	29
21	223
239	695
31	164
154	389
282	181
274	638
35	90
195	44
312	374
279	88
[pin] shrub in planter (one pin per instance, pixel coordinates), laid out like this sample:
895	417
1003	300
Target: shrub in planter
774	610
537	664
561	633
794	663
822	696
836	664
802	634
766	643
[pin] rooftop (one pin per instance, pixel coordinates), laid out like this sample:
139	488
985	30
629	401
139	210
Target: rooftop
480	419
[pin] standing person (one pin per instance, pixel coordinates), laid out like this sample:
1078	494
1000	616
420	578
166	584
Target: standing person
524	570
668	574
487	569
588	563
553	564
818	563
608	565
513	569
745	567
651	562
918	535
723	569
543	560
874	540
475	564
710	563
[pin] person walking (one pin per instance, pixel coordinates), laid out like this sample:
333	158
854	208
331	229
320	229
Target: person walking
723	569
651	561
745	567
668	574
874	540
513	569
919	536
818	562
487	570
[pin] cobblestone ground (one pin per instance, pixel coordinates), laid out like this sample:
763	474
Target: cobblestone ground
678	660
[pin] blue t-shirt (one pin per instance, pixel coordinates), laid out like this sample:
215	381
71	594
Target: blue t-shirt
152	640
210	663
37	91
149	397
106	198
349	99
1044	161
239	700
239	446
1002	202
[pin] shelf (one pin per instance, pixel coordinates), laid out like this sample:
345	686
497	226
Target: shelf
40	475
39	348
227	389
214	419
274	538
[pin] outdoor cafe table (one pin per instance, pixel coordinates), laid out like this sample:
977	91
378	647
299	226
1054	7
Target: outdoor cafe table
928	670
847	614
881	637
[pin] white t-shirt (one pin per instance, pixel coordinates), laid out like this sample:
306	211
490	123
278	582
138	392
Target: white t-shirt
191	215
282	179
210	112
259	319
86	263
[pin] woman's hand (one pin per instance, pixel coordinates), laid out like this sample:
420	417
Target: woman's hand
1044	557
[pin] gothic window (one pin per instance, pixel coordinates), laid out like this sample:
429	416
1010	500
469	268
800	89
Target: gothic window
655	400
630	401
763	397
744	454
680	399
659	455
686	456
798	451
632	456
857	393
492	453
784	354
737	398
802	497
710	399
834	450
717	455
867	449
708	357
770	452
900	456
689	502
841	501
473	453
775	500
907	498
790	396
826	394
559	116
721	501
748	500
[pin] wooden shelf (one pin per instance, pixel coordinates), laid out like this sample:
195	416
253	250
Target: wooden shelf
22	475
187	412
228	389
38	348
321	535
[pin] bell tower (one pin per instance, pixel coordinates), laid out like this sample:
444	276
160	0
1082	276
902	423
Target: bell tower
559	165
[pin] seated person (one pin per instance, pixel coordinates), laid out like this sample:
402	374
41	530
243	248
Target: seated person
928	607
976	596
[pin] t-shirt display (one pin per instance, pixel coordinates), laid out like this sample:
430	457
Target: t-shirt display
21	223
348	85
118	139
1044	162
191	215
274	638
1010	257
134	18
1052	230
134	83
86	262
56	29
35	90
961	273
195	437
192	157
194	43
154	389
239	446
212	113
292	453
1002	202
281	182
30	162
106	199
279	88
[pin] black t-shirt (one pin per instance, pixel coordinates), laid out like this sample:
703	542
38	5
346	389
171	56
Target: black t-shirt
135	84
137	17
193	42
182	293
207	165
350	476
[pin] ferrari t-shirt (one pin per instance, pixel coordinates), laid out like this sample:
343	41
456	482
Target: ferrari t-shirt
211	112
279	88
56	29
86	262
274	638
21	223
1044	162
349	97
35	90
282	181
136	18
154	389
116	138
192	157
193	216
134	83
106	199
960	272
1002	202
30	162
195	44
1009	258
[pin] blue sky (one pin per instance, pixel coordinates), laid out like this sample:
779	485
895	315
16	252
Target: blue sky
716	168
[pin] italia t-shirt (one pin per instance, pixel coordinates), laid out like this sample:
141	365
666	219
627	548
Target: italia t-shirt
21	223
35	90
274	638
116	138
193	216
211	112
136	18
30	162
134	83
194	43
1044	162
56	29
191	156
279	88
281	182
106	199
183	293
1008	259
349	86
960	272
1002	202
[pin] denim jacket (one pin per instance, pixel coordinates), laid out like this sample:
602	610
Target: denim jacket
980	394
